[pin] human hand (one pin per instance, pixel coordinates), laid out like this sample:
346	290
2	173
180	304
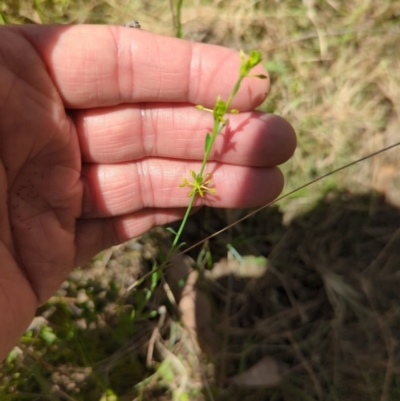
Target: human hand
97	127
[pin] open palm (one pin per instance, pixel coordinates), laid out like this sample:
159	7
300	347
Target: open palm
97	128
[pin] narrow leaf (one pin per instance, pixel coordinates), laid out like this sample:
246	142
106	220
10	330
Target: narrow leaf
171	230
261	76
207	143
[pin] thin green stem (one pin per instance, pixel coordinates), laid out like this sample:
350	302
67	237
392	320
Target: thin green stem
183	223
234	91
218	126
179	19
216	130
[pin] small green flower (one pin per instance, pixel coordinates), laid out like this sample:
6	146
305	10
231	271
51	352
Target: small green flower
249	62
199	184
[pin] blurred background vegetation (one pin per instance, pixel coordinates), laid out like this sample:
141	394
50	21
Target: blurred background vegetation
298	302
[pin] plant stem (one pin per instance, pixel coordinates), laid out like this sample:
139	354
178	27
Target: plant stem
183	223
178	19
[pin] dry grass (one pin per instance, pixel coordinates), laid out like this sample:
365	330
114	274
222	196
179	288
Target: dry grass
322	311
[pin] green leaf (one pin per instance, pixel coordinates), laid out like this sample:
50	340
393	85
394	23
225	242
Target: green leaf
208	143
171	230
12	356
154	280
153	313
261	76
182	244
3	19
109	395
47	335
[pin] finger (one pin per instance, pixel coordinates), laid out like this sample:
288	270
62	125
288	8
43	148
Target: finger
17	302
94	235
119	189
95	66
126	133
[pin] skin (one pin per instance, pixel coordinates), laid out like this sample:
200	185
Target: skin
97	127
